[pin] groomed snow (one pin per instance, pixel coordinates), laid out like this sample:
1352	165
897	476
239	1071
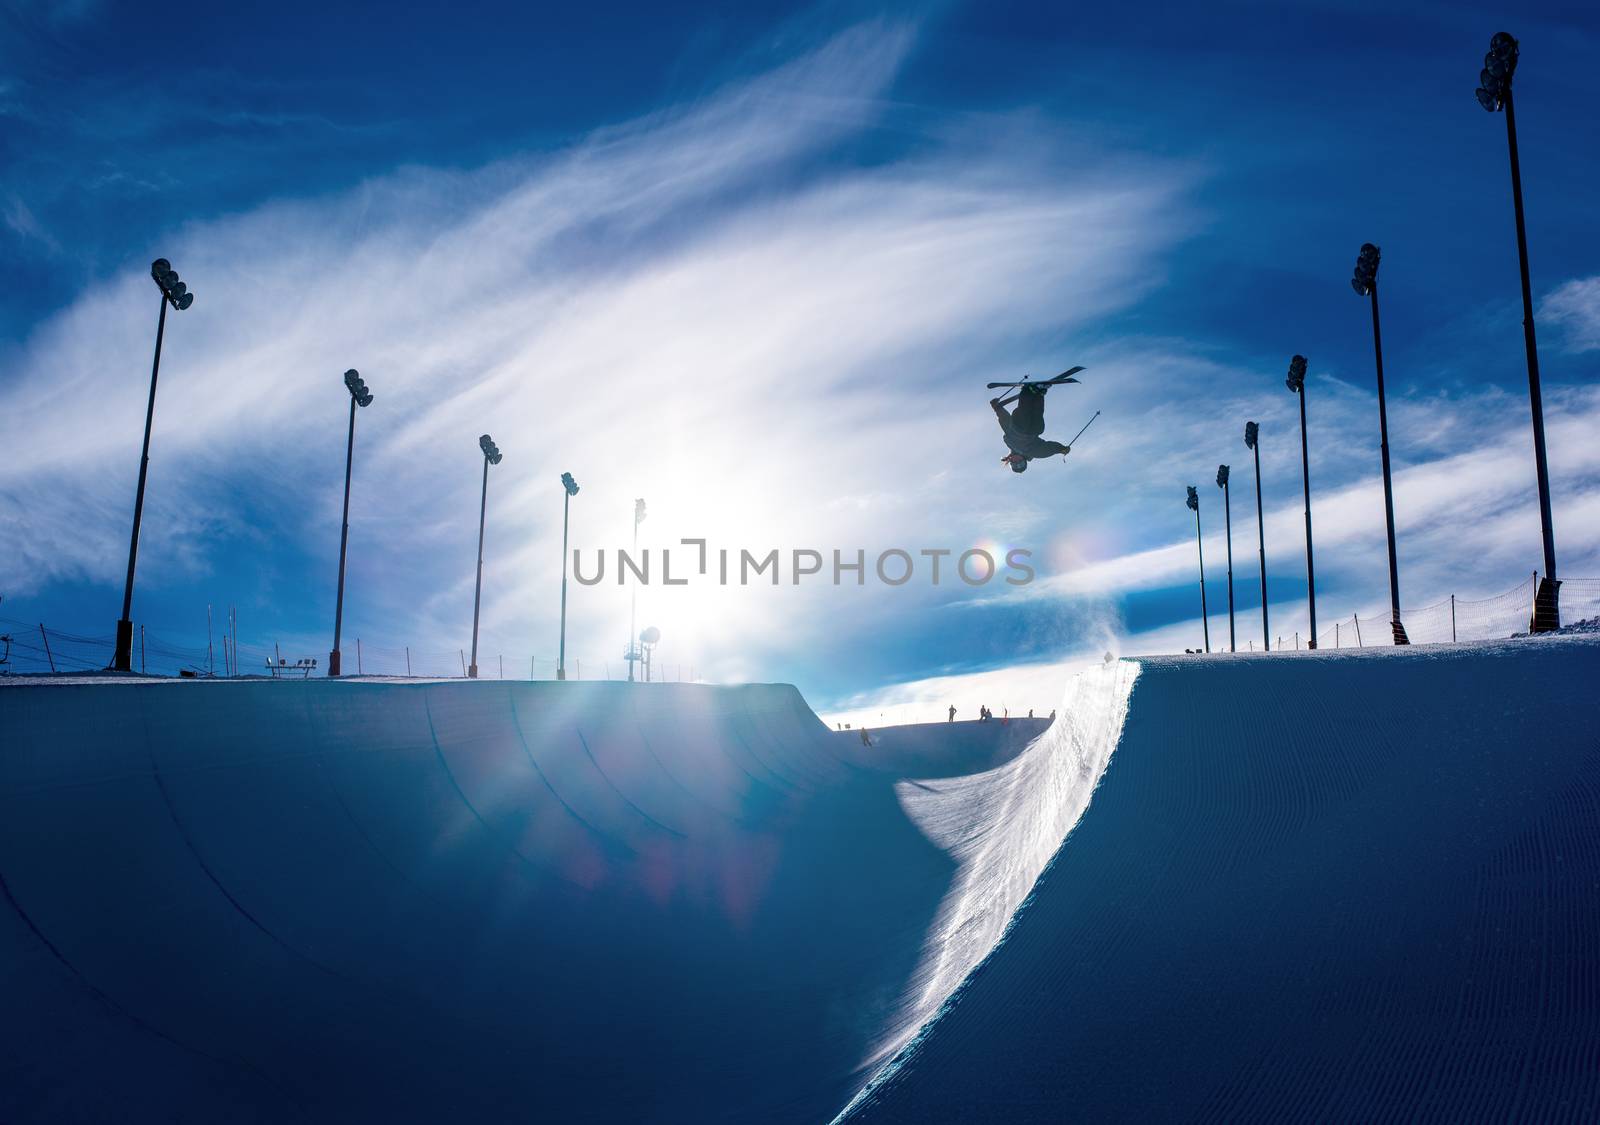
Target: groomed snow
1282	887
357	901
1311	887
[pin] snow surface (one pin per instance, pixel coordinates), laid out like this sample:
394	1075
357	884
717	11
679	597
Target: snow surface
377	901
1309	886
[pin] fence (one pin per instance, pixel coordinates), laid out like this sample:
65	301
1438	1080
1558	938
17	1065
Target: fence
1461	619
30	647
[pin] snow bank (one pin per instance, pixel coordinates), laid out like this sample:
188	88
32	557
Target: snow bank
1315	886
353	901
1311	887
1002	827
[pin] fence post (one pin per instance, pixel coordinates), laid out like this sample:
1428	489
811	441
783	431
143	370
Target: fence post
47	655
1452	619
144	669
1356	617
408	661
463	653
358	656
502	667
1335	634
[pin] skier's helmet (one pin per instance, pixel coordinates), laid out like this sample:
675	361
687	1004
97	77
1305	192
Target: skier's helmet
1019	464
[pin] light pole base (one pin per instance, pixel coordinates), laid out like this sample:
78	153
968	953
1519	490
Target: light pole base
122	660
472	671
333	663
1546	607
561	673
1400	637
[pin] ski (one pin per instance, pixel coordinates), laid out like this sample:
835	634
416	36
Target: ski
1065	377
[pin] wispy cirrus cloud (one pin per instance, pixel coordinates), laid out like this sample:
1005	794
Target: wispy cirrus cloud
769	311
1573	309
778	346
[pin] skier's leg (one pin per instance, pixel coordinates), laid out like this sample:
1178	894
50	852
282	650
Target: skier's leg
1028	415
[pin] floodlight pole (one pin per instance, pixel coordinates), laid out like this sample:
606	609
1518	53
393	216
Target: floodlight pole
1399	630
122	657
1205	620
477	589
561	662
1305	476
1261	537
344	540
1547	611
633	604
1227	514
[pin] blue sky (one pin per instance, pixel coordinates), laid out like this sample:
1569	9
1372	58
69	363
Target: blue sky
755	266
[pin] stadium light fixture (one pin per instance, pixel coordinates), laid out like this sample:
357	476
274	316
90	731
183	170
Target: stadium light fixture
1365	283
570	489
175	293
491	456
359	396
1227	515
1296	382
1494	93
648	641
1252	441
1193	503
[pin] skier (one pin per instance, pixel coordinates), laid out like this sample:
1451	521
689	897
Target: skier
952	712
1023	425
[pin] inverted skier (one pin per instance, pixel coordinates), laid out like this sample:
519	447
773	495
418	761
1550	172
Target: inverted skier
1023	424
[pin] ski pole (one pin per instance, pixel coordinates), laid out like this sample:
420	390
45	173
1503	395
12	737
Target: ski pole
1086	425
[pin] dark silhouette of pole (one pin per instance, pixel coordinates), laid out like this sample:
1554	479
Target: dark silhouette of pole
175	293
1227	515
491	456
1205	620
1494	92
571	487
1365	283
1252	438
359	396
1296	382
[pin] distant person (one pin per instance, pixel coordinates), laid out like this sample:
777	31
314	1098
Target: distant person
1052	714
952	712
1030	712
866	738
